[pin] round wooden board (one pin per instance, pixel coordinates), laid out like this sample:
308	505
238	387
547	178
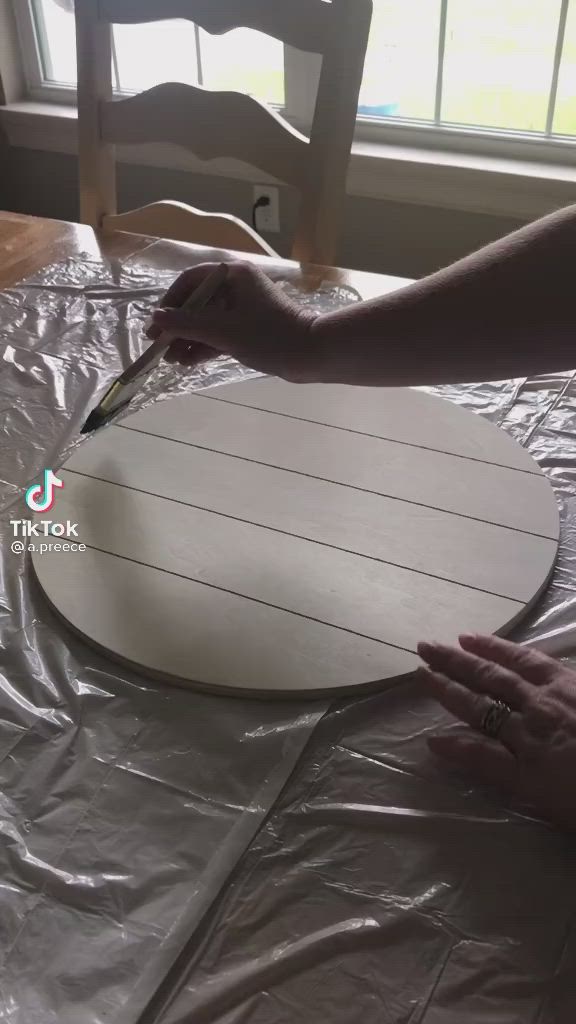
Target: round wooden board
266	538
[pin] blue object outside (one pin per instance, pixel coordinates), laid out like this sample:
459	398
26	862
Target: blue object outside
379	110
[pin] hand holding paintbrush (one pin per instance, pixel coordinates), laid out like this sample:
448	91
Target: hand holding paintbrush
131	380
257	324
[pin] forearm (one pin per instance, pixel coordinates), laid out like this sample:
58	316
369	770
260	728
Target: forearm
507	310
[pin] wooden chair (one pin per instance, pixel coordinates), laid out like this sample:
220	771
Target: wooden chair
216	124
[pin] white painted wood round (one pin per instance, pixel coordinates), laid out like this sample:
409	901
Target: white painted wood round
270	538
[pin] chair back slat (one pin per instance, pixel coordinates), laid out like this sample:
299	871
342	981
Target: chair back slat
304	24
210	124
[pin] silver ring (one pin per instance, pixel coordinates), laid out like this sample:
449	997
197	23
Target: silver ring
496	714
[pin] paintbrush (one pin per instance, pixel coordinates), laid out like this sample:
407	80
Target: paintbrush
122	391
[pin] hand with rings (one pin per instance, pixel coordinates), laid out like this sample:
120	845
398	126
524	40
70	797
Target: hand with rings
521	709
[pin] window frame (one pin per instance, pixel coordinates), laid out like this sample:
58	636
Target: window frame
301	80
30	50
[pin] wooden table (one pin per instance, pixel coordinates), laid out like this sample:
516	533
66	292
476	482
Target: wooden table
27	244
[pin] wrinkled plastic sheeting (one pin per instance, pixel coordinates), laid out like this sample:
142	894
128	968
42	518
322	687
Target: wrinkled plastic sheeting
123	805
383	889
379	889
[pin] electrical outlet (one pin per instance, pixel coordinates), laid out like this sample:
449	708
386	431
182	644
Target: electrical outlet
267	218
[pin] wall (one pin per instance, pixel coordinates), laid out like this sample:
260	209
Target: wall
387	237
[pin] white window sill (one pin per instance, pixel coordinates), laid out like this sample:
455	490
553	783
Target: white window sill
500	186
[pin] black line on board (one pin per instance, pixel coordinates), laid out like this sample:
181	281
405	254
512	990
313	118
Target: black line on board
336	483
297	536
246	597
379	437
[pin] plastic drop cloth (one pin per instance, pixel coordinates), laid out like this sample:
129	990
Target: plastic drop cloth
133	817
123	806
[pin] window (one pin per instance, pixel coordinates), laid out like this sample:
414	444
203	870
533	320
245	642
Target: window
497	69
506	66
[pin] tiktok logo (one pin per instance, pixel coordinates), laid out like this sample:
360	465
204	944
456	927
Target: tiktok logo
41	497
